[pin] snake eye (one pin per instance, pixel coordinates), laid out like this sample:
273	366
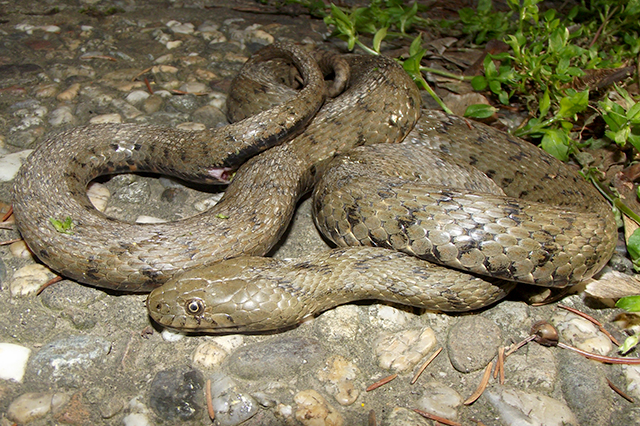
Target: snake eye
195	306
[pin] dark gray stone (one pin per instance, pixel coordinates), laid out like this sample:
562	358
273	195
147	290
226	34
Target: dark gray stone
176	394
276	357
584	387
65	361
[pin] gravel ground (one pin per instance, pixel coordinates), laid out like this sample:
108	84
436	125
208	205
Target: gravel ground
82	356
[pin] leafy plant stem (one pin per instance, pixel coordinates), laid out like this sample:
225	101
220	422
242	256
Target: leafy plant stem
422	83
366	48
537	128
613	199
605	21
446	74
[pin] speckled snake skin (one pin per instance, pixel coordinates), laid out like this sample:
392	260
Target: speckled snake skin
257	205
535	220
429	197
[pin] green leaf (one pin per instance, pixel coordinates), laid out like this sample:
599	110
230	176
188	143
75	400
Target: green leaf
556	143
63	226
416	45
629	303
620	137
544	105
495	87
629	343
479	111
633	114
377	39
504	97
573	104
484	6
633	248
406	17
634	140
489	67
479	83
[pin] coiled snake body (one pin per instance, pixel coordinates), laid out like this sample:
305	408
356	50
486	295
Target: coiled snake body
534	221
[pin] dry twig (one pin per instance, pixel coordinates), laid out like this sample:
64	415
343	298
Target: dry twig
482	386
381	382
207	396
425	365
436	418
593	320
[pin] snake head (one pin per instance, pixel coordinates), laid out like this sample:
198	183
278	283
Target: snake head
221	298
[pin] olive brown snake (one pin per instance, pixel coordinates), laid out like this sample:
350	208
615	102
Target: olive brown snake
539	223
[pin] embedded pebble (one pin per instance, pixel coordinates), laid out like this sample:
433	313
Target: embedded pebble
20	250
209	354
517	407
136	419
65	361
13	361
581	333
403	350
176	394
152	104
208	26
32	406
260	37
314	410
173	44
60	116
149	219
180	28
129	111
138	414
206	204
277	357
521	375
193	87
440	400
401	416
171	336
99	195
69	93
387	317
106	118
46	91
10	164
340	373
66	294
632	376
473	342
341	323
231	405
29	279
136	192
137	96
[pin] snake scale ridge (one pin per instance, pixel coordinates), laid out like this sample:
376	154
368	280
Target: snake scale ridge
456	193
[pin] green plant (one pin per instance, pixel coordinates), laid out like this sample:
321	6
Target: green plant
623	121
64	226
631	304
483	24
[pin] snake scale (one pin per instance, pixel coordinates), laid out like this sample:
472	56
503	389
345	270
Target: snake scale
456	193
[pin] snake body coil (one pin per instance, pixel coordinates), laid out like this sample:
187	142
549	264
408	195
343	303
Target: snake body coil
139	257
534	220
